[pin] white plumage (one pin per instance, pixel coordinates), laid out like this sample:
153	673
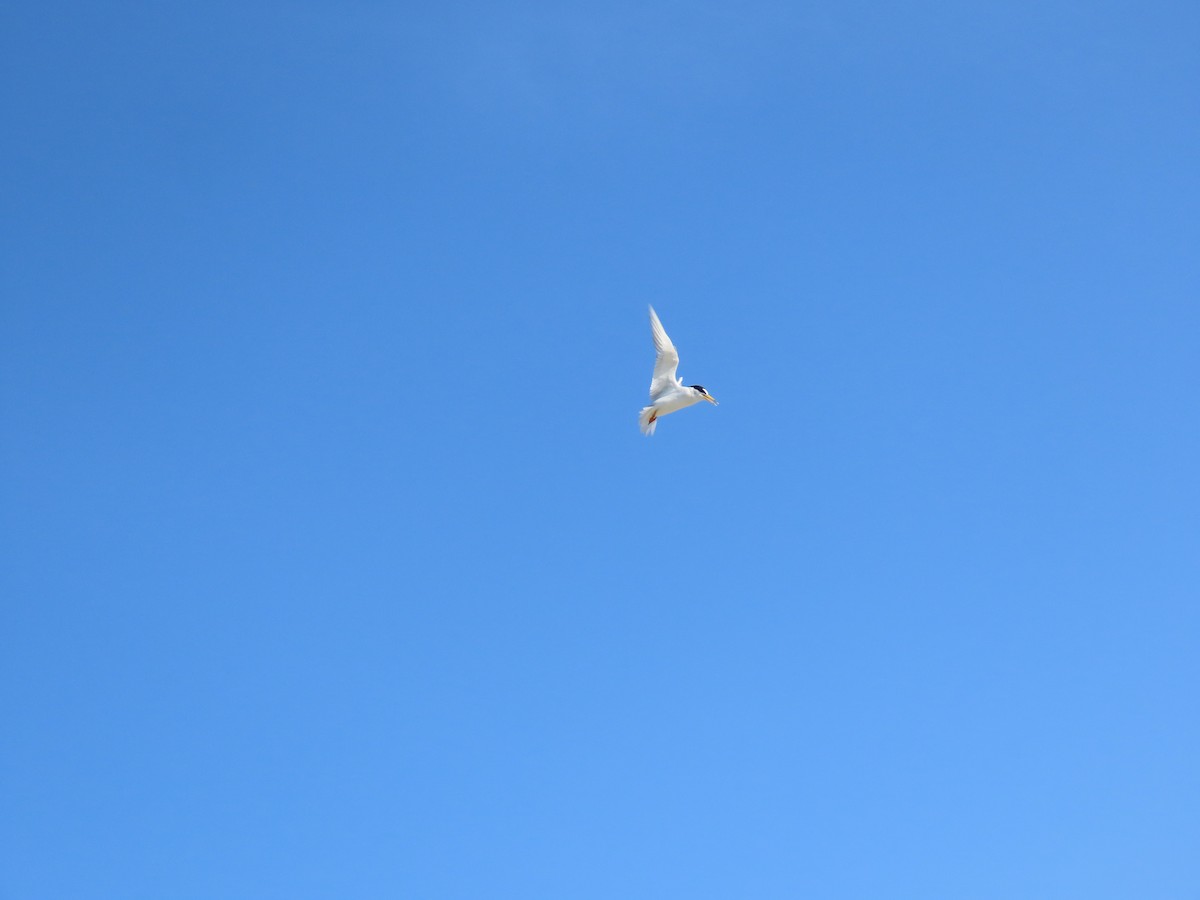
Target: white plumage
667	392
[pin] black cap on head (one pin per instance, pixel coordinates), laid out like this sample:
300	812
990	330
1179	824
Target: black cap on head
700	388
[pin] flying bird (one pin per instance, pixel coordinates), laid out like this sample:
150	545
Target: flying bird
667	393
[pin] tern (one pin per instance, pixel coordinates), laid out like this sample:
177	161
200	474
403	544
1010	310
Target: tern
667	393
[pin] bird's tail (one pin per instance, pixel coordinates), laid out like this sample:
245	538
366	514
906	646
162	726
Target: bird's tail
647	420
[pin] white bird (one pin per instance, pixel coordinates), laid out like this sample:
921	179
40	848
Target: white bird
667	393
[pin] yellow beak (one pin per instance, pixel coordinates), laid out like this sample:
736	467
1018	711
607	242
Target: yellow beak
711	400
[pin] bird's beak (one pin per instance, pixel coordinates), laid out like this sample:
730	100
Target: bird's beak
711	400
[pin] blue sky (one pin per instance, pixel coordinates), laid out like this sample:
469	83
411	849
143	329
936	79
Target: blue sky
335	564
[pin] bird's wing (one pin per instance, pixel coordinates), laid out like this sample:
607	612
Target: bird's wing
667	361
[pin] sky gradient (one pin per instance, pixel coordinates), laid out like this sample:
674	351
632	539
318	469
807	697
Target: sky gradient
335	564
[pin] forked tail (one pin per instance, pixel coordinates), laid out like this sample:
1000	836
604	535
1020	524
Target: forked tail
648	419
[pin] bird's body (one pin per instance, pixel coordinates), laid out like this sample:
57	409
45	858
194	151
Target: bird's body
668	393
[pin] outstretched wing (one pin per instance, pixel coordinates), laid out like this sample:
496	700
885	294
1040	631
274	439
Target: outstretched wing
667	361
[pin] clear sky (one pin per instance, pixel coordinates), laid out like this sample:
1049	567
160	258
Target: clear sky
334	564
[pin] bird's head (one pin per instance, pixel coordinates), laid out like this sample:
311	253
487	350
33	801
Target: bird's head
699	389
